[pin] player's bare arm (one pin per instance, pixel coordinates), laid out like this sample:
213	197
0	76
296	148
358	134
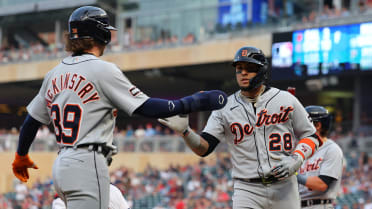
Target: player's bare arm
314	183
180	124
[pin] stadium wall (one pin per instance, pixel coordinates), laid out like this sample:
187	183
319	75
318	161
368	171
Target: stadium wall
136	161
208	52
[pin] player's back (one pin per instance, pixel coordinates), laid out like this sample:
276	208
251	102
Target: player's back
81	95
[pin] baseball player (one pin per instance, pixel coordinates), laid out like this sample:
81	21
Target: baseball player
260	125
80	97
117	200
320	176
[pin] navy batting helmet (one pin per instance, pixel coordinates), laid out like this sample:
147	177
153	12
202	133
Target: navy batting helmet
90	22
255	56
320	114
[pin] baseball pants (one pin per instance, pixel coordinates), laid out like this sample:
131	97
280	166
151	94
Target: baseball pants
280	195
322	206
81	179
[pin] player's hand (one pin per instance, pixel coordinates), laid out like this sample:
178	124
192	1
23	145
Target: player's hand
178	123
20	166
287	166
204	101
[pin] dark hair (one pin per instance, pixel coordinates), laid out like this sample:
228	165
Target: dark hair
323	132
78	46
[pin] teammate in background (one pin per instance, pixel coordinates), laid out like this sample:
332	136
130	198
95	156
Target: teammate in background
320	176
117	200
80	96
260	124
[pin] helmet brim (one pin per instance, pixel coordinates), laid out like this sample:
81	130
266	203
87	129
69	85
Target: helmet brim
110	28
248	60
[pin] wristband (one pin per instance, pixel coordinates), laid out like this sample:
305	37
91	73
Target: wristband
191	138
186	132
301	179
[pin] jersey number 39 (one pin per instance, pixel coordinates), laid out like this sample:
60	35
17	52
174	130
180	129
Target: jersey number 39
67	129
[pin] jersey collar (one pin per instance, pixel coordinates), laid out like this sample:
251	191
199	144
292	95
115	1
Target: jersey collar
71	60
266	95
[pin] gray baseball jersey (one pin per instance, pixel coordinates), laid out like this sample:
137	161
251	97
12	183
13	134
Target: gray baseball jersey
80	96
327	161
274	125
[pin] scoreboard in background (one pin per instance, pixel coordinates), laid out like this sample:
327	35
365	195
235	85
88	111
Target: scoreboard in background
321	51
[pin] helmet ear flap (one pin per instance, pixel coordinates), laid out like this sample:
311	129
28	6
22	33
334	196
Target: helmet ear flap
103	34
260	57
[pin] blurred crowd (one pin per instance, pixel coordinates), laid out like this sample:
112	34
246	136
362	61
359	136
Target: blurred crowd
34	51
204	185
31	52
335	9
287	12
140	138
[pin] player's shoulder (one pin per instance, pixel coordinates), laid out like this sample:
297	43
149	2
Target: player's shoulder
333	147
282	92
231	97
104	66
90	60
231	101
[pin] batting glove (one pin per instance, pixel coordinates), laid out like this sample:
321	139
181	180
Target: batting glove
177	123
20	166
287	166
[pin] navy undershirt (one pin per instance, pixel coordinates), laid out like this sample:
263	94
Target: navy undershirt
153	107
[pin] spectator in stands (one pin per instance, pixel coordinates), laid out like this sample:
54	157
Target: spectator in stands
362	7
129	132
129	183
168	131
345	12
189	39
21	191
326	13
140	132
4	202
149	131
158	130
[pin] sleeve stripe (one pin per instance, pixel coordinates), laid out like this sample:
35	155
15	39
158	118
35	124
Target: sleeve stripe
310	143
299	152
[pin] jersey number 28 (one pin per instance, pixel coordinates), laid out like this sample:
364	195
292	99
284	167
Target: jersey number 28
67	129
275	143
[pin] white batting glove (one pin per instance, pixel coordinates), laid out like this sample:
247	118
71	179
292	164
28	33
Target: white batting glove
178	123
287	167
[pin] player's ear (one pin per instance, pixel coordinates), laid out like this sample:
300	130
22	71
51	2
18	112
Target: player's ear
318	126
